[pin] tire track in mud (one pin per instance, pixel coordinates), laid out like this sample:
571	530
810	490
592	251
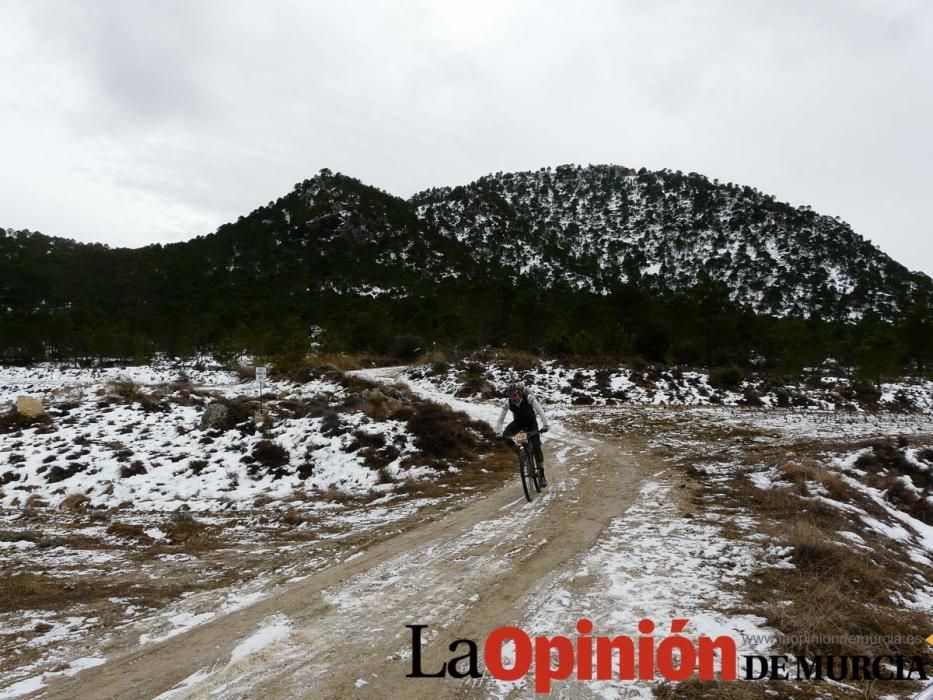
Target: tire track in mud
464	575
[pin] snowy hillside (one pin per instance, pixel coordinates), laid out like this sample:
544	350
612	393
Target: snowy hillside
141	437
557	383
601	225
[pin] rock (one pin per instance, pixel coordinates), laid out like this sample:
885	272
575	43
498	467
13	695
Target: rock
29	408
214	415
487	390
374	396
399	393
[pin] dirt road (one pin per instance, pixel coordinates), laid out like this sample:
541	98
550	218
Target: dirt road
342	632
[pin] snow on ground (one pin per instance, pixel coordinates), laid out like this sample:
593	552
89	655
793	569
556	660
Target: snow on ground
652	563
559	384
30	685
273	630
55	379
647	549
140	467
155	457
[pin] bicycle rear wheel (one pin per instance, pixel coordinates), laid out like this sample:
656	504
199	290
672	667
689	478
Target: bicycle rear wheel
526	471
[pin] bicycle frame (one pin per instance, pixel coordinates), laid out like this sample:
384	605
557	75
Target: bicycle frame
527	464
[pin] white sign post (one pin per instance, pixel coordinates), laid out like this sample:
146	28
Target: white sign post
260	377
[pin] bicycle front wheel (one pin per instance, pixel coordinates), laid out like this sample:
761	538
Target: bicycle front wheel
535	476
526	471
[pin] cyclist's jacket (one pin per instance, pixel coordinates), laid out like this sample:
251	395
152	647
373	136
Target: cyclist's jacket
525	414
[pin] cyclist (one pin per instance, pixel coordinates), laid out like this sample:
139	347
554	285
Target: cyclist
525	413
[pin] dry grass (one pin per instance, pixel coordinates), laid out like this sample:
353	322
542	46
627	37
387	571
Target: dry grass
293	518
129	532
191	533
802	474
319	364
32	591
26	591
834	589
750	690
38	591
76	502
335	495
423	488
486	472
518	360
34	500
433	358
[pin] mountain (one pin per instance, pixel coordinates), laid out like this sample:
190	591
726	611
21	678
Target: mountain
599	225
596	259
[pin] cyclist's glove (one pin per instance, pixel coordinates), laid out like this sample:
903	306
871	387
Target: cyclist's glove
543	430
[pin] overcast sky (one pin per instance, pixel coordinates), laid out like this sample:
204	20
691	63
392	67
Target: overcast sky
131	122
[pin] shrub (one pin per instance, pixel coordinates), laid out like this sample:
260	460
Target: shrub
364	439
725	377
129	532
57	473
441	433
75	502
865	391
197	466
518	360
136	468
331	425
751	398
126	390
406	347
184	531
811	548
270	454
34	500
292	519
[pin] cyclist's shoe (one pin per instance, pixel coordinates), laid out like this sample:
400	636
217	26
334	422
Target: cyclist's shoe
542	479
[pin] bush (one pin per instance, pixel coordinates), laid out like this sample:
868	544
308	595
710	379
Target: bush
812	550
518	360
58	473
184	531
866	392
406	347
751	398
197	466
441	433
725	377
270	454
75	502
136	468
129	532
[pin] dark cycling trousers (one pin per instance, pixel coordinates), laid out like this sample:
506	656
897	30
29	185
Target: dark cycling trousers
535	440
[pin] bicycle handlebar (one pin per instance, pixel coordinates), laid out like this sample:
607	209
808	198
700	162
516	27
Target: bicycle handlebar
528	433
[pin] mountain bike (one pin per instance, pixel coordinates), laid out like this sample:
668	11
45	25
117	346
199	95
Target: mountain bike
528	468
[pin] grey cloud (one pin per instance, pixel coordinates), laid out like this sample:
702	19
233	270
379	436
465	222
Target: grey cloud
210	108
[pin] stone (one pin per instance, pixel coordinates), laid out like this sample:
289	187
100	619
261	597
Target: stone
29	408
214	415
